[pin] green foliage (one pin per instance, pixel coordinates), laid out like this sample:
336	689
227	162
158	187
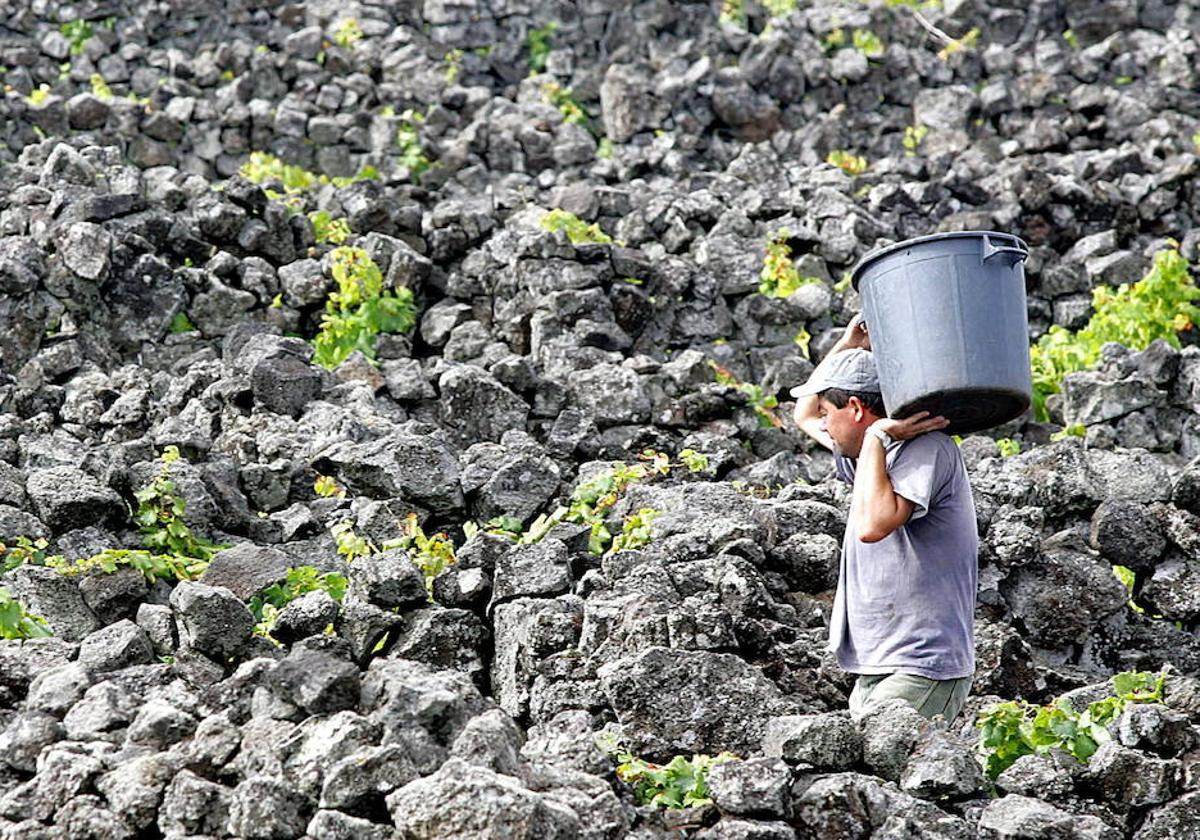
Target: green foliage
326	487
328	230
848	162
802	339
431	554
604	150
1008	447
77	32
538	46
578	231
100	88
637	530
154	566
1129	579
680	783
733	12
1123	80
408	138
693	460
39	95
1074	430
181	323
913	135
867	43
24	551
1016	728
16	622
453	60
1160	305
159	517
779	277
564	100
300	580
263	167
762	403
348	33
359	309
1071	38
780	8
349	544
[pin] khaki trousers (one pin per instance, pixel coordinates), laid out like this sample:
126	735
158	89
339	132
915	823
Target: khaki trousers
929	697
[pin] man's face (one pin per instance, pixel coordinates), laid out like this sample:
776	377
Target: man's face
846	425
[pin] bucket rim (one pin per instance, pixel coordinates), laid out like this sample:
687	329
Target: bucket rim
872	256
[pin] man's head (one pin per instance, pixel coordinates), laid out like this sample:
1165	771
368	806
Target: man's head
848	398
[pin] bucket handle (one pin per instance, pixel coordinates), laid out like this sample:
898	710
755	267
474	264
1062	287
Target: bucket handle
990	250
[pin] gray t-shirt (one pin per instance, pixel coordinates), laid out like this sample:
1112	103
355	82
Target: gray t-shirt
907	603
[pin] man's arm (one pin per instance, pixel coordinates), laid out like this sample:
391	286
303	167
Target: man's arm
806	414
879	509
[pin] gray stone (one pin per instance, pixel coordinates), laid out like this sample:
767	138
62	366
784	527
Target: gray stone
1090	398
754	787
267	809
405	697
1152	726
1174	589
50	595
66	497
944	107
134	789
1039	776
942	767
389	579
22	265
86	250
371	772
731	701
26	736
627	102
308	615
541	569
828	741
462	800
159	724
334	825
444	638
1129	777
1016	817
478	406
859	806
193	805
610	394
113	596
246	569
890	732
286	384
318	682
1180	818
114	647
104	708
159	625
211	619
1062	595
420	469
1127	534
56	690
440	319
304	283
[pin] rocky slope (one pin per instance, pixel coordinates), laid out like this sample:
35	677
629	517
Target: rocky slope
154	709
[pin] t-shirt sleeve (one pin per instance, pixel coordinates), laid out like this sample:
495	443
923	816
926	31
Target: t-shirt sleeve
915	474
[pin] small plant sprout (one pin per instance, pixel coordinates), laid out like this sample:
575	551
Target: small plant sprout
347	33
359	309
16	622
1008	447
538	46
680	783
159	517
802	340
693	460
733	12
181	323
408	138
328	230
1071	38
763	404
562	99
967	42
39	95
453	61
867	43
779	277
300	580
913	135
77	32
326	488
578	231
848	162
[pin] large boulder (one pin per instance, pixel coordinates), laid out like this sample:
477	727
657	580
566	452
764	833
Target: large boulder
676	701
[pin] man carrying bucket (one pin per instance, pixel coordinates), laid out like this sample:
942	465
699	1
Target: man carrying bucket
903	615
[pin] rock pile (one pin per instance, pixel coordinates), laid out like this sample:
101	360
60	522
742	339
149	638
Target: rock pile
156	296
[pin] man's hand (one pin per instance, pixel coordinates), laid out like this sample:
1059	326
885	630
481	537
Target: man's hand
911	427
854	336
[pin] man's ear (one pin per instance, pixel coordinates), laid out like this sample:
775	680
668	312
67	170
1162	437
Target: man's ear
859	409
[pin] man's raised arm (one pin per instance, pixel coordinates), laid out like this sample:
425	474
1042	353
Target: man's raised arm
806	415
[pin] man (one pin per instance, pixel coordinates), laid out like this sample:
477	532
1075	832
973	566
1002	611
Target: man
903	615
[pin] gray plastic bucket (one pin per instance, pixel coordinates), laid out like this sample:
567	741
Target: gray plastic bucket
949	328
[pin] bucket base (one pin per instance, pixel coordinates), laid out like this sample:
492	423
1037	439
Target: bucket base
969	409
